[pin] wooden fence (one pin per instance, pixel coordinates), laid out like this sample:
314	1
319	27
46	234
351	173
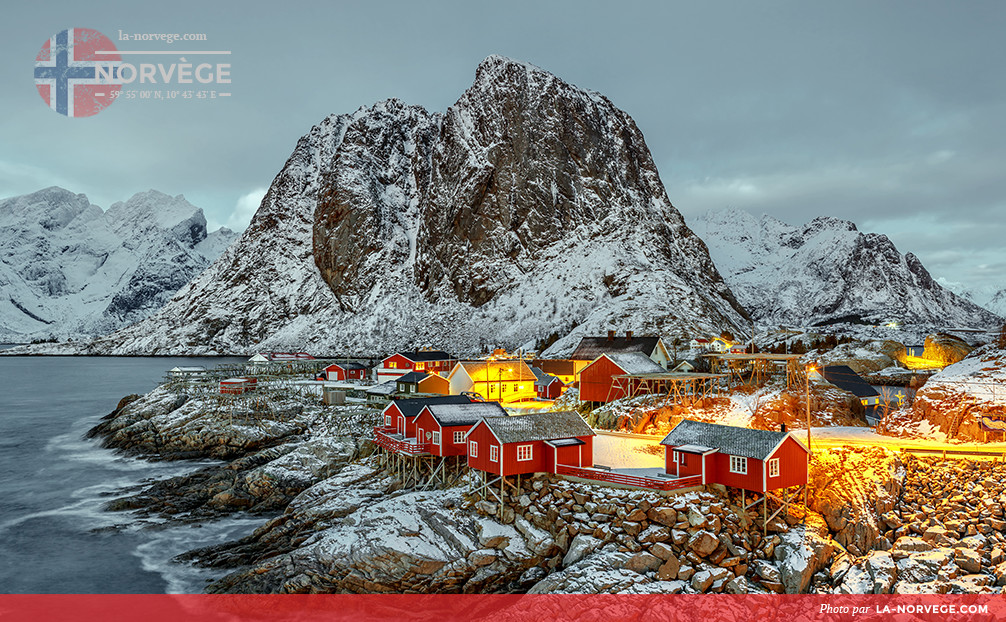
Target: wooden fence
630	480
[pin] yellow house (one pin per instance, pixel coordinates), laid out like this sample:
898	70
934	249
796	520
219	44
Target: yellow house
497	381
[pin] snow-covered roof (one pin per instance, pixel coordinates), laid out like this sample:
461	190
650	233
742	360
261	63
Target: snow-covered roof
693	449
635	363
757	444
592	347
465	413
385	388
547	426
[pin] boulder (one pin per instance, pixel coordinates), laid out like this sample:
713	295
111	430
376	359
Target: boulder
703	543
643	562
669	569
802	552
581	546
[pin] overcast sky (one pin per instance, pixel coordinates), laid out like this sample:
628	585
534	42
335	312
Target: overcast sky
889	114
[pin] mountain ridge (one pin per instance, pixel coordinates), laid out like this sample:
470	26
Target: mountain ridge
393	227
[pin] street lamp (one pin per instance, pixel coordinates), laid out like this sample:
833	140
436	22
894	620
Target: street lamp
809	369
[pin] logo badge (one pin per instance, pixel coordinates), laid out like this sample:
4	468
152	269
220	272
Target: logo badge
77	72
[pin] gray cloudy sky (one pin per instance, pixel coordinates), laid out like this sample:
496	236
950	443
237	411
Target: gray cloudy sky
890	114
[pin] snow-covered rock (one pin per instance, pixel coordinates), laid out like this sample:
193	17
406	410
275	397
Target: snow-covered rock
69	270
530	210
827	271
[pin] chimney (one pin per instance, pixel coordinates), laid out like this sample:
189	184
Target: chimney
611	335
783	428
628	335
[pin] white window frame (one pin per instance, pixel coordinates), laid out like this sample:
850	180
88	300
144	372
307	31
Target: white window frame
459	437
473	449
739	465
674	457
494	453
773	467
527	451
436	437
387	421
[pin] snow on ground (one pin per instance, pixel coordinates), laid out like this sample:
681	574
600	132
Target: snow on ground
628	452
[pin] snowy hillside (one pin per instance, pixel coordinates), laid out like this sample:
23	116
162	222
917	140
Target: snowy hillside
67	269
991	298
530	208
827	271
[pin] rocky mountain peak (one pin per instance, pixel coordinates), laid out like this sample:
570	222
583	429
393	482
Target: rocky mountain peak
530	210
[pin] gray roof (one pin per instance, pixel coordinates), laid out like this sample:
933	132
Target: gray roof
590	348
843	377
539	427
412	377
635	363
565	442
422	356
465	414
350	365
728	439
413	406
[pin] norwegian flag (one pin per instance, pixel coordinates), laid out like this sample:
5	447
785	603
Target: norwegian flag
67	72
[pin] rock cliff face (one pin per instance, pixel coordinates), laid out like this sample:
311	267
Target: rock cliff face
827	271
530	209
68	269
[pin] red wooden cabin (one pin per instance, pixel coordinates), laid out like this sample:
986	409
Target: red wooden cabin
400	415
596	378
548	387
755	460
401	363
530	443
345	371
444	426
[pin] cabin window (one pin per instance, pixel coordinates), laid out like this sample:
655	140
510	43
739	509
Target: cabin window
515	388
473	449
494	453
739	464
502	388
436	438
524	452
387	420
675	457
773	467
459	437
420	366
392	365
492	388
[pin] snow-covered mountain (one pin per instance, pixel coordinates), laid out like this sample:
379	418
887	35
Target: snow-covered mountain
68	269
989	297
530	209
827	271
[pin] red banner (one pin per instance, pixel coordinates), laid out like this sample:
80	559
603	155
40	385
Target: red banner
495	608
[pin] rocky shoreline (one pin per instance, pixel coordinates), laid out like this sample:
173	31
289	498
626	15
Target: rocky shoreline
334	521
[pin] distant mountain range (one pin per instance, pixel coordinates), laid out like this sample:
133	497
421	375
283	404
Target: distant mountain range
529	214
827	271
70	270
991	298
